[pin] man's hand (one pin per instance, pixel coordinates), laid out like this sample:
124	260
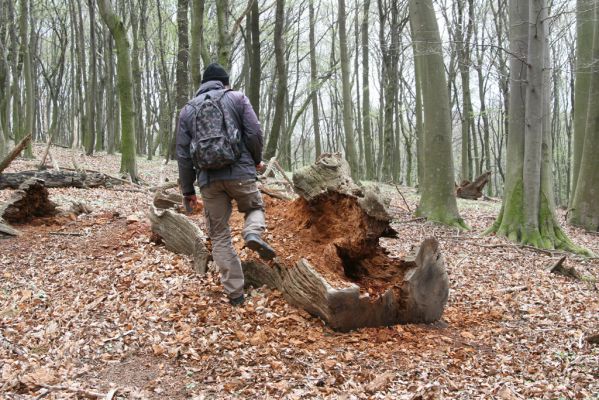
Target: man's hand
261	167
190	202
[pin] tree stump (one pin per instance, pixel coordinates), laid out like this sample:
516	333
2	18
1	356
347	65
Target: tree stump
329	261
30	200
473	190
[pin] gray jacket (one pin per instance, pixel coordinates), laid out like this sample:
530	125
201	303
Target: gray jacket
246	120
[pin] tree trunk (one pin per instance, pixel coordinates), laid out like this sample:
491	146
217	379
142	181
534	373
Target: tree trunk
225	41
89	141
28	78
438	202
368	145
124	84
181	80
585	207
197	41
527	214
348	125
584	48
314	83
281	73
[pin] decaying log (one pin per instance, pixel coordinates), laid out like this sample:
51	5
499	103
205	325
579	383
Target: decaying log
329	261
181	235
29	201
14	153
419	297
56	179
473	190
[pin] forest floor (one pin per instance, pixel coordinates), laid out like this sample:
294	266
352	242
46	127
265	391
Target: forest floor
95	308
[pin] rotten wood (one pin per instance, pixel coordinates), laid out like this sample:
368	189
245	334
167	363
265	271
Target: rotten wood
28	201
473	190
14	153
419	297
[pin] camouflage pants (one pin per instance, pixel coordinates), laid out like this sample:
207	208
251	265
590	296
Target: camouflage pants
217	197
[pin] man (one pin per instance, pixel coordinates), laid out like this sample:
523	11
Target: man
235	181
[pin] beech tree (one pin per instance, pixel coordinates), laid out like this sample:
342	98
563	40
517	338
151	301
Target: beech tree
437	202
527	214
585	205
125	88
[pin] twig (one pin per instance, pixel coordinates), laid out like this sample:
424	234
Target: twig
401	194
83	392
67	233
521	246
412	220
282	171
134	190
117	337
7	344
274	193
514	289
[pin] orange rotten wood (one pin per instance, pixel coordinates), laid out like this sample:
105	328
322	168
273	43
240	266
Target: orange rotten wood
329	261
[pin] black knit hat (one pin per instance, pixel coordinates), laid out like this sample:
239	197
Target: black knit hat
215	72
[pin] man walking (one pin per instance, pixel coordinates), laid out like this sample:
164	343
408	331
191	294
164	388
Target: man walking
224	164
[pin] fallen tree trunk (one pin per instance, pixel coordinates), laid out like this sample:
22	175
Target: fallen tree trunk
29	201
418	296
473	190
59	179
329	261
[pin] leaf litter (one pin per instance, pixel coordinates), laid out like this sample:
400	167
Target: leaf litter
110	313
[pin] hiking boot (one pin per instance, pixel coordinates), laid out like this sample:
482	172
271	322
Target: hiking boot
237	301
254	242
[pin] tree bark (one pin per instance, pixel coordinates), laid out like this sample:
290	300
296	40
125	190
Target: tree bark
89	141
27	77
348	125
584	48
585	207
314	83
366	121
124	84
197	41
437	202
281	74
527	214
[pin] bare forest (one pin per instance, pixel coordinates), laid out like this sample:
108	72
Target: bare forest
430	185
